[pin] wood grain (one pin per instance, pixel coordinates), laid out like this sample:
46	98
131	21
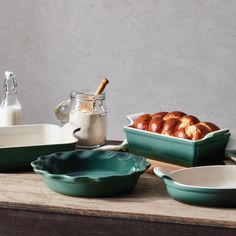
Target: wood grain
25	222
148	202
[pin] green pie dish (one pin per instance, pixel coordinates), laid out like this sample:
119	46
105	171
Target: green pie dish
90	173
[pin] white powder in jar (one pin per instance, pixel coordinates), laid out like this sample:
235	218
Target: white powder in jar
93	127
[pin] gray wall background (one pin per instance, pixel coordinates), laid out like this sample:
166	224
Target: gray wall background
158	55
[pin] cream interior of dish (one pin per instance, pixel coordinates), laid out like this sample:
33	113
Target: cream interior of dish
42	134
215	176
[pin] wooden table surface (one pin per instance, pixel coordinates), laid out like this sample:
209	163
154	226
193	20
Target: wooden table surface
27	207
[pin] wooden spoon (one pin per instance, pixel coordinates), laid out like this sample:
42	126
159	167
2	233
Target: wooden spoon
101	86
88	106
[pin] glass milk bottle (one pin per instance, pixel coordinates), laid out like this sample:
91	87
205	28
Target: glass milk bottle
10	108
88	112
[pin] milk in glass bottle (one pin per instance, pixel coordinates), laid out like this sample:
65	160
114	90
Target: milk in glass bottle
10	108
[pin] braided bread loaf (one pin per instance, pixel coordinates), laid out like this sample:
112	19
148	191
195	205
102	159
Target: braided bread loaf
175	123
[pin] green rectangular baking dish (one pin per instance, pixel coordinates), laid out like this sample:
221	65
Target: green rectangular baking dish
22	144
209	150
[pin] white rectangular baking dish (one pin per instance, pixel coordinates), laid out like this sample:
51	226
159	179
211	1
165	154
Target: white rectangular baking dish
22	144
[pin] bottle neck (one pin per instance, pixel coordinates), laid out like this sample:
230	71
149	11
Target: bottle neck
10	91
10	85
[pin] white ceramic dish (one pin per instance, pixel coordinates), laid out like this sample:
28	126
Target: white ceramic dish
20	145
207	185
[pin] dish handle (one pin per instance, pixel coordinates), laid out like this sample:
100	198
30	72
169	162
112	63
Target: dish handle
216	133
162	173
70	128
75	131
133	117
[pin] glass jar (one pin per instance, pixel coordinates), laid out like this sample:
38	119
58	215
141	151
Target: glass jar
88	111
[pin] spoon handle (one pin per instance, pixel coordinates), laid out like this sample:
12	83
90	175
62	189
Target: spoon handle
101	86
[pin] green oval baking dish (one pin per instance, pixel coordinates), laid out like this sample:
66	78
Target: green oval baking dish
90	173
213	186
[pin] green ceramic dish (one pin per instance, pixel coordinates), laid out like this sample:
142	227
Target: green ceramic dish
206	186
90	173
22	144
209	150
